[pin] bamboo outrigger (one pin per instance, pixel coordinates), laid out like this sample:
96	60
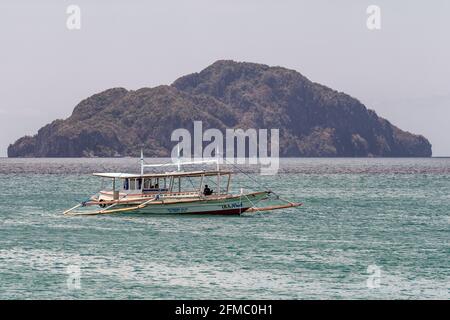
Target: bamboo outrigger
176	192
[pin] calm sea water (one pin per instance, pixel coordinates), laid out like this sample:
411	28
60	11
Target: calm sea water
369	228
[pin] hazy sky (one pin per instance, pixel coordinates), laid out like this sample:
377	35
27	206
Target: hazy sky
402	71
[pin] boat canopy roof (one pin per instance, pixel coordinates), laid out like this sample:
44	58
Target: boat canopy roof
120	175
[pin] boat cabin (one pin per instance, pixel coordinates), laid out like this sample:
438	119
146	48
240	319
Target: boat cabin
170	183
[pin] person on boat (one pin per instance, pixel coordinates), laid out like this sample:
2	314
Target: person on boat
207	191
157	187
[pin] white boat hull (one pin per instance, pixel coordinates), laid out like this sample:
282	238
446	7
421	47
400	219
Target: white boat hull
221	205
225	206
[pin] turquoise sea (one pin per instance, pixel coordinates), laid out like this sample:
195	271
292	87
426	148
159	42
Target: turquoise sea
368	229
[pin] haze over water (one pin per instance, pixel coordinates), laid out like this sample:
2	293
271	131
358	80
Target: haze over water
388	213
401	71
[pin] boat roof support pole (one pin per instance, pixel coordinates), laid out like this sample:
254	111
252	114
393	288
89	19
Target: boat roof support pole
201	183
217	158
218	183
142	162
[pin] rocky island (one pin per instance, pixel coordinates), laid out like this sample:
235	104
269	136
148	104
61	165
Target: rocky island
314	120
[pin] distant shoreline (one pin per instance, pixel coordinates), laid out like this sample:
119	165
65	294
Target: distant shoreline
432	157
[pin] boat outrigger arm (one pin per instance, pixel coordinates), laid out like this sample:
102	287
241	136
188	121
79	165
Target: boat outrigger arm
175	192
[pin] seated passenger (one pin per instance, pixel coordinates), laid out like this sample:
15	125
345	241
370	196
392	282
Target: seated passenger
207	191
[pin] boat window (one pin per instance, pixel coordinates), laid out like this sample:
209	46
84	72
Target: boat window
132	184
125	184
147	183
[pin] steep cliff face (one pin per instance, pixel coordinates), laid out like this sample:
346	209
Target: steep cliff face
313	120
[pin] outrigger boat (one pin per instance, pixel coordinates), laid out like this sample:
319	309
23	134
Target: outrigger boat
174	192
